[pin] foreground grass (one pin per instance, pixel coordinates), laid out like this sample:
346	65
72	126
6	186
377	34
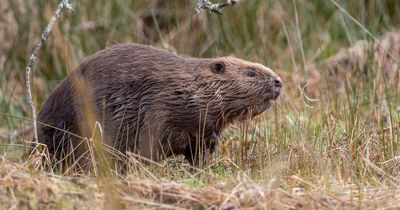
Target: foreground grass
21	188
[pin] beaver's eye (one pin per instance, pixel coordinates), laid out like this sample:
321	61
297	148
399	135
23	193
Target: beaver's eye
218	68
250	73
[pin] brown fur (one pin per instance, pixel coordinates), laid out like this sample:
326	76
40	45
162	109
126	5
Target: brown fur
156	104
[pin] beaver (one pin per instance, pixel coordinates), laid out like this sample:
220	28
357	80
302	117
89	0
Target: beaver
154	103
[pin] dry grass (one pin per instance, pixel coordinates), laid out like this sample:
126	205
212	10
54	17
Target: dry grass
21	188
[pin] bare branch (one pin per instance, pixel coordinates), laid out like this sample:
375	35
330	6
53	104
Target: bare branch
32	59
216	8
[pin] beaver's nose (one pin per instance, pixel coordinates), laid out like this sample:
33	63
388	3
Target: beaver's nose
278	82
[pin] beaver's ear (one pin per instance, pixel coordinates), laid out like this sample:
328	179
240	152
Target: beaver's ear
218	67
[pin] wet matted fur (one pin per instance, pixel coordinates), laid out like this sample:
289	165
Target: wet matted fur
154	103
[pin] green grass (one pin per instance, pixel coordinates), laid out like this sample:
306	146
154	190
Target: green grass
316	132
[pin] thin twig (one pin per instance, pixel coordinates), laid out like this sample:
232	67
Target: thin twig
217	8
32	59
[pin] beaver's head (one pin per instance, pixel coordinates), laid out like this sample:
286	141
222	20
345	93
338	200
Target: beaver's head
234	89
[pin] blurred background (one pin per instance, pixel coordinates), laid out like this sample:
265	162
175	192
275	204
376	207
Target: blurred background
312	127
